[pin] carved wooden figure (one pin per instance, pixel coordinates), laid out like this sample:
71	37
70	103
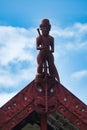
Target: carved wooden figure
45	58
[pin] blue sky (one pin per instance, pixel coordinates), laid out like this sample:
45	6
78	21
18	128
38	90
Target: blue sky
19	20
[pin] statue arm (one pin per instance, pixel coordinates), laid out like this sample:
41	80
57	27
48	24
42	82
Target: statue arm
52	45
38	43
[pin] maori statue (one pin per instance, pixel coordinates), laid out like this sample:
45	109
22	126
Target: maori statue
45	58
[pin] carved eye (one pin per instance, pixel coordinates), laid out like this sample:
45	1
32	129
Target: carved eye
40	89
51	90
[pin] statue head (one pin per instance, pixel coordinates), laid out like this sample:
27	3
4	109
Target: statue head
45	23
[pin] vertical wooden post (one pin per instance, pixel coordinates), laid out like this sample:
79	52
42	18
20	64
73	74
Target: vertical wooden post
44	122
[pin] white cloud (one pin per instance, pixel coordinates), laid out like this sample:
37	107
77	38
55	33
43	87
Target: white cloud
14	42
11	80
6	97
18	53
79	74
64	33
75	30
72	38
17	46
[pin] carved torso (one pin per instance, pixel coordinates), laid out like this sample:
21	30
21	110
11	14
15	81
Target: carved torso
46	42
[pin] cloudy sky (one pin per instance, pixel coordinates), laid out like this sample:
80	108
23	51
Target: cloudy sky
19	20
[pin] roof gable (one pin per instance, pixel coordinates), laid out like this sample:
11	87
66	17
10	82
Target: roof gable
20	106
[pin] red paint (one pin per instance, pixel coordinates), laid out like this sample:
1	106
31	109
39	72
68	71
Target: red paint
25	102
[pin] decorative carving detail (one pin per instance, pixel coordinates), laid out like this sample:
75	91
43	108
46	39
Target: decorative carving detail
26	102
45	91
72	108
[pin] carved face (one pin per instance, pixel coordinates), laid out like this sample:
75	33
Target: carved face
45	31
45	99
